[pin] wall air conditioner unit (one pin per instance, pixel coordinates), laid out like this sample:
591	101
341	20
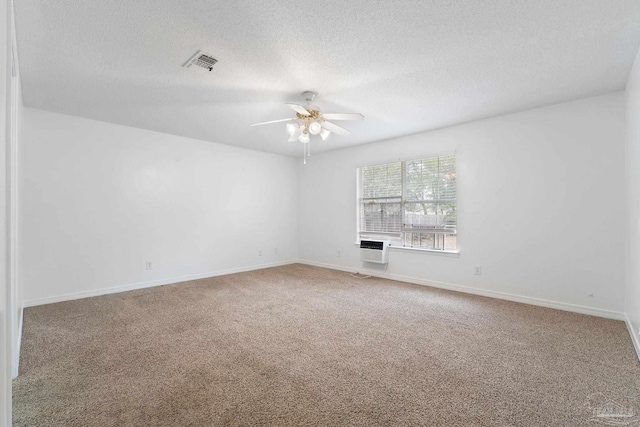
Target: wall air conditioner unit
374	251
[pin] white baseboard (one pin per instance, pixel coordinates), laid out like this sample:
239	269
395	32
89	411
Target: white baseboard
634	336
608	314
149	284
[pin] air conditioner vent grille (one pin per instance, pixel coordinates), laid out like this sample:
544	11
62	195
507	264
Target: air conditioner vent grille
201	59
205	61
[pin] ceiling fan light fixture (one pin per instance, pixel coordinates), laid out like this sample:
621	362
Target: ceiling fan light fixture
295	135
291	128
324	134
315	128
304	137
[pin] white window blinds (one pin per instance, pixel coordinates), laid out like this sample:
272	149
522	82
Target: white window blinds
430	192
381	196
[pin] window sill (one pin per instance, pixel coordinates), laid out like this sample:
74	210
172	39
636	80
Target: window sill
449	253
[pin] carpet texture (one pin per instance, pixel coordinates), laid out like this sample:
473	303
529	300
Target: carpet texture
306	346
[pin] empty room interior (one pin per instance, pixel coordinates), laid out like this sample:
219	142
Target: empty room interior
320	213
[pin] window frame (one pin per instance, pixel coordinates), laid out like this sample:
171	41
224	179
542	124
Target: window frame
396	239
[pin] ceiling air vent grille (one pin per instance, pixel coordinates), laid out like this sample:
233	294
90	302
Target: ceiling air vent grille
201	59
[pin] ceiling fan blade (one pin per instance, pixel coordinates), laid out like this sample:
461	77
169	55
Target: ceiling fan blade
273	121
343	116
334	128
299	109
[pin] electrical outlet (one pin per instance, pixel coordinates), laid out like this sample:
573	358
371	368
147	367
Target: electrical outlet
259	252
339	253
478	271
275	251
149	265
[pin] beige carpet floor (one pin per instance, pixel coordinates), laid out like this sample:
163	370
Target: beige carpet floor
305	346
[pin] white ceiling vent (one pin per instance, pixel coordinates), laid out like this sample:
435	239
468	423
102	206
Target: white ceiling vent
201	59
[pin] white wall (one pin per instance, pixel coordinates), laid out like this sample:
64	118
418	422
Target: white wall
541	205
98	200
632	297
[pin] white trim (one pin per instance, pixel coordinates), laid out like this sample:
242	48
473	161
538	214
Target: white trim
608	314
149	284
449	253
437	153
634	336
16	365
7	300
12	173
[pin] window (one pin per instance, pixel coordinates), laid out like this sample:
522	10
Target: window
413	203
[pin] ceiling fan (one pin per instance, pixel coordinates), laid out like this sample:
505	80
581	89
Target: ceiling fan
310	121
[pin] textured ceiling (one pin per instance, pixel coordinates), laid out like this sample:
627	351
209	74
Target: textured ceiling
408	66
